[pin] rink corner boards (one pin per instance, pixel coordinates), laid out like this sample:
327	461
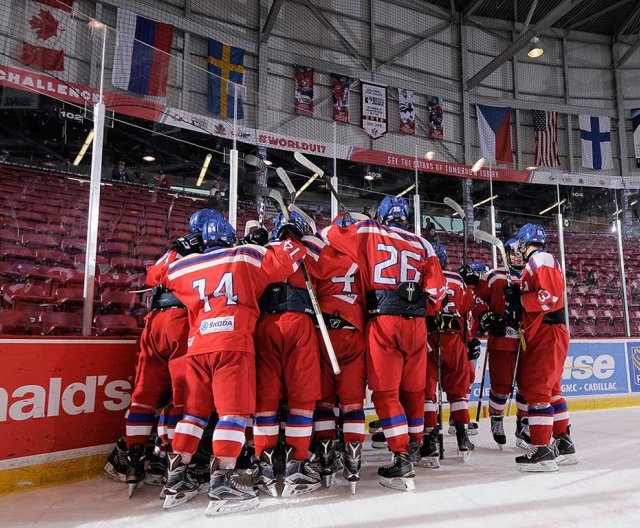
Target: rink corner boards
62	400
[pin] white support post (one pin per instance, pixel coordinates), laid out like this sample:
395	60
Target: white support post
233	168
492	212
94	201
623	279
334	178
417	215
562	259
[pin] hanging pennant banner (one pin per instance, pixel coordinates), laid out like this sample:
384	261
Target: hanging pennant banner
407	107
436	118
635	122
374	109
340	86
303	78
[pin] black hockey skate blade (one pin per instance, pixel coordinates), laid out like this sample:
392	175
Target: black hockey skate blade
173	500
398	483
222	507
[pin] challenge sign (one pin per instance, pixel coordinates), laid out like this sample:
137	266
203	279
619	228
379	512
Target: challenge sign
374	109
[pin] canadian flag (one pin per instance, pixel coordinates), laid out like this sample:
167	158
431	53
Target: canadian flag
46	24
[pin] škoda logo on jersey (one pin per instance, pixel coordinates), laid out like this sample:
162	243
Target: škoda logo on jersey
93	394
217	324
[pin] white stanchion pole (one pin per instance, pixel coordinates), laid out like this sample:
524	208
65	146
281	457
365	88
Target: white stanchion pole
233	176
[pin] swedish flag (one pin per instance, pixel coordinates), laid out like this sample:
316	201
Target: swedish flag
226	64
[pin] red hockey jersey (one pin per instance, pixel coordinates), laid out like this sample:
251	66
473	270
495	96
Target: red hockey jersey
491	289
221	290
388	256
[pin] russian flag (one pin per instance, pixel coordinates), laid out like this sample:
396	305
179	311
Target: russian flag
143	51
495	133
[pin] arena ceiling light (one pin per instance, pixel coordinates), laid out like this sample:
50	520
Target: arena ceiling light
430	155
485	200
406	190
84	148
532	168
149	158
552	206
535	48
268	163
203	171
633	203
477	166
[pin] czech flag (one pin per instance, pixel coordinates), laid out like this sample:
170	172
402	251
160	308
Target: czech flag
495	133
226	75
143	51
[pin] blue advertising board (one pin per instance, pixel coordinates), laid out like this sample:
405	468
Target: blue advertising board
633	353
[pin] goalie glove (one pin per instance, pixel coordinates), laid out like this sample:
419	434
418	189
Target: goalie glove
188	244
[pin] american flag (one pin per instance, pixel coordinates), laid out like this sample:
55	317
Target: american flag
546	135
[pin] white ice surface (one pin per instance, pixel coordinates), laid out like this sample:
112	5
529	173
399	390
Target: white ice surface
603	490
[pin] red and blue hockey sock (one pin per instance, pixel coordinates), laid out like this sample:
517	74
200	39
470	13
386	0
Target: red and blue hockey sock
413	404
497	403
393	420
560	416
353	426
188	434
324	424
459	407
540	423
228	439
139	424
297	432
430	415
521	406
265	431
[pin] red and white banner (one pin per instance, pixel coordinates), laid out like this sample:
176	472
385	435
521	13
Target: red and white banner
47	24
60	395
341	86
436	118
407	108
374	109
303	78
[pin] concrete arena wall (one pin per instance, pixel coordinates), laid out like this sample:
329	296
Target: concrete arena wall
62	400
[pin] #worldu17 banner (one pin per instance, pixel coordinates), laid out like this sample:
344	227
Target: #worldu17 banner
374	109
340	86
303	78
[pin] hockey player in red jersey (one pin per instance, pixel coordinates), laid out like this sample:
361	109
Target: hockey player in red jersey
221	290
400	274
340	296
160	366
288	367
502	347
449	338
539	303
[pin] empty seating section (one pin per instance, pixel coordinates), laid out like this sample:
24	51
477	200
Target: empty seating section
43	223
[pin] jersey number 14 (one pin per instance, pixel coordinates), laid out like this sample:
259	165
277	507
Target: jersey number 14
223	289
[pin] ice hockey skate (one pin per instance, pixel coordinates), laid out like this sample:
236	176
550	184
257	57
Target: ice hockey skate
135	472
299	477
117	463
523	440
375	427
330	463
538	459
263	473
181	485
398	475
430	451
465	446
352	464
156	470
378	440
227	494
414	451
564	450
497	431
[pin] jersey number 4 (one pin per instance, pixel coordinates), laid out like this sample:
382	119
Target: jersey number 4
223	289
408	272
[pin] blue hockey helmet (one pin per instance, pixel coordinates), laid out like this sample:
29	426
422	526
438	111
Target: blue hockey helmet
198	219
294	217
218	232
441	253
478	267
531	234
393	208
512	248
471	272
343	221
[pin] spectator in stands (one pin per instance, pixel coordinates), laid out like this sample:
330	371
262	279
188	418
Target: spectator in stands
590	279
217	186
162	180
119	173
216	202
367	211
140	177
430	234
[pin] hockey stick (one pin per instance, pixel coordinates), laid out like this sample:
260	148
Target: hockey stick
250	225
458	209
305	216
484	374
259	164
284	177
495	241
515	374
440	424
317	171
275	195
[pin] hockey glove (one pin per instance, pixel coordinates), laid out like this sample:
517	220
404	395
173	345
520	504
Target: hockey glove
470	277
258	237
290	230
490	322
473	349
512	293
188	244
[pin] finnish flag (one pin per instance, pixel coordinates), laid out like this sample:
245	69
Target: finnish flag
595	132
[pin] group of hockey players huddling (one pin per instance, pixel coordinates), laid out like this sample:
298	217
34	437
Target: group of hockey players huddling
231	335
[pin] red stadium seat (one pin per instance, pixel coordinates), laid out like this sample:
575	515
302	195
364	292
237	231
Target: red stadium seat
114	280
53	229
39	241
151	252
126	263
119	299
118	236
73	245
60	323
69	296
9	236
16	252
16	322
116	325
26	293
52	256
113	248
